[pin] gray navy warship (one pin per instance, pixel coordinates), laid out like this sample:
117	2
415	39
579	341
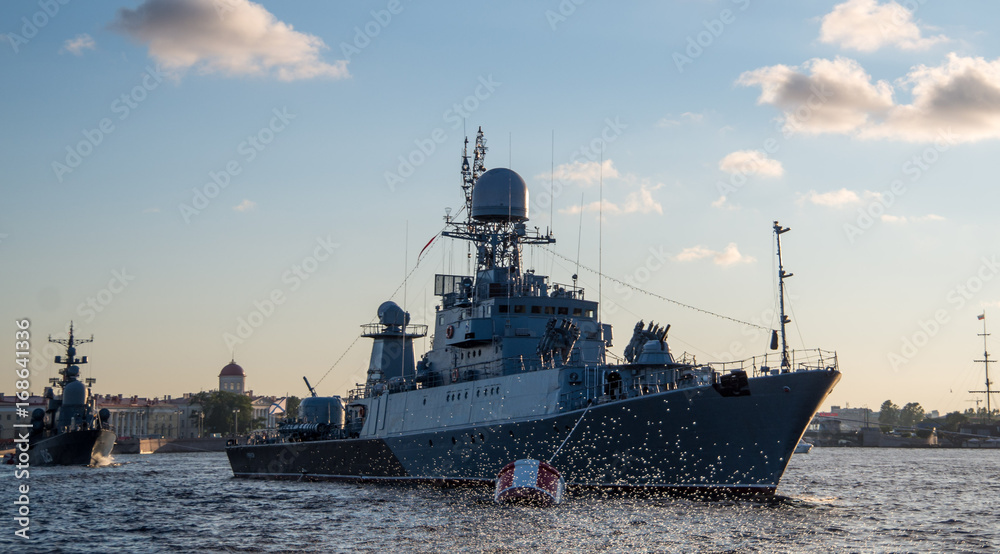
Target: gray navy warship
519	368
68	431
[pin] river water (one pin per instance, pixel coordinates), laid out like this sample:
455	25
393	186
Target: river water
831	500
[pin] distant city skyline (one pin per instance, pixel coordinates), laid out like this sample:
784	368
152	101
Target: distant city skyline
199	180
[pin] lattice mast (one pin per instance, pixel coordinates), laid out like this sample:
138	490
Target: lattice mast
497	240
71	358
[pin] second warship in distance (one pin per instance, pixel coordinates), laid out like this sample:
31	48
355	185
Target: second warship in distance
69	430
519	369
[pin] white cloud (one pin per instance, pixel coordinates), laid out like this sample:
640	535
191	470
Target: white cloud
78	44
636	202
866	26
669	121
721	204
749	162
834	199
961	96
245	206
886	218
958	101
230	37
729	256
583	173
821	96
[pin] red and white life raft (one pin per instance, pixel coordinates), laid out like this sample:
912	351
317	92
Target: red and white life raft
530	482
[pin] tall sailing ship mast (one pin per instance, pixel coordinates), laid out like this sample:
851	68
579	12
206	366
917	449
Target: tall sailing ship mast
986	361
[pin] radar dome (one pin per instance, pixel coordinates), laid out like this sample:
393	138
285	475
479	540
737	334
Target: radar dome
389	313
500	194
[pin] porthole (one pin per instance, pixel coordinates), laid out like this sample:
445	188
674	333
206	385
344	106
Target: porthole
482	438
454	441
430	443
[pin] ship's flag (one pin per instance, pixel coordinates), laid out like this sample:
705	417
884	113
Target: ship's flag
425	246
981	316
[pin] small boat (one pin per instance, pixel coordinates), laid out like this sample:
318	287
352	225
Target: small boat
529	482
803	447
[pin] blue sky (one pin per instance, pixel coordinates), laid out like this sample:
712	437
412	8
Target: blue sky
868	127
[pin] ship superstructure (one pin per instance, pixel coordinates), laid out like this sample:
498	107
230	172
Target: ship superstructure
518	369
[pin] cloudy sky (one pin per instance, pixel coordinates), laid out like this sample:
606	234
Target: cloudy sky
186	179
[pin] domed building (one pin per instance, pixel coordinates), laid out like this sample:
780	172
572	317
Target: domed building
232	378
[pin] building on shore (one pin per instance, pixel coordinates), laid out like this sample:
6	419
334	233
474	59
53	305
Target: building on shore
169	418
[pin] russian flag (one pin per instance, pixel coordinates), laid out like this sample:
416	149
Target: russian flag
981	316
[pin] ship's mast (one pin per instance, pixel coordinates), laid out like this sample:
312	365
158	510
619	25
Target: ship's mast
986	361
778	231
497	241
71	358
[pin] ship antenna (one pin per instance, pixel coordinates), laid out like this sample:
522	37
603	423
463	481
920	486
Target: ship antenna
552	182
778	231
600	246
579	236
986	366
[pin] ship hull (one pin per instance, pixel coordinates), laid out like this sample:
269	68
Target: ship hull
681	440
88	447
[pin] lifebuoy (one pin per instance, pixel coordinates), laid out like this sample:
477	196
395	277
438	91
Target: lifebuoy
454	375
449	332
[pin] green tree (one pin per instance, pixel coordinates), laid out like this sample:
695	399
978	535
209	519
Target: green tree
219	407
292	407
888	414
953	421
911	414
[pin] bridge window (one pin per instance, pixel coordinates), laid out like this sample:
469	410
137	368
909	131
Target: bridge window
577	311
519	309
550	310
589	313
502	308
536	309
563	311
